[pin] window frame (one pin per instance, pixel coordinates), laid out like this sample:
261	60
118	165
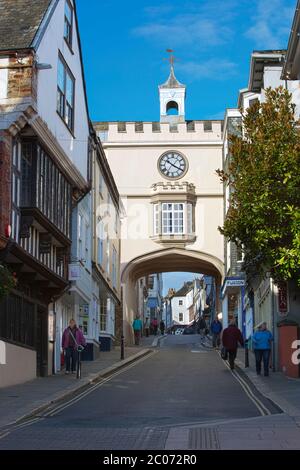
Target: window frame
80	237
166	218
16	189
100	244
108	256
103	315
114	267
63	105
69	38
170	219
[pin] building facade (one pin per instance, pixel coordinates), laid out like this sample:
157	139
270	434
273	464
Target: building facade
106	251
44	172
256	300
171	194
182	305
233	289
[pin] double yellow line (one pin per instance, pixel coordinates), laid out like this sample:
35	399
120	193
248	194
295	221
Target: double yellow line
264	411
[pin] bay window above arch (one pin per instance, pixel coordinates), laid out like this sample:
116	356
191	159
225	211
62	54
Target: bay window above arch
173	214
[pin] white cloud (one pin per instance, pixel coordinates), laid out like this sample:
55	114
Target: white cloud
185	30
216	69
271	23
194	23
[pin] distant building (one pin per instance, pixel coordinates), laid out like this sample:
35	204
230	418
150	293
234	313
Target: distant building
194	299
150	297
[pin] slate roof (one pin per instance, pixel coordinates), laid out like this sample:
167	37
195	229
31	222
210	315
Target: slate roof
20	21
172	81
184	290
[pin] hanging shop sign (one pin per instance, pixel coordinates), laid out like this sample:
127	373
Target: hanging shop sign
282	299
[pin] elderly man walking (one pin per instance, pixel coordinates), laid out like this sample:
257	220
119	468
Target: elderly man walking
230	338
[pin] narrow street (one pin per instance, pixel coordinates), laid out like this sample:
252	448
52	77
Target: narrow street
180	385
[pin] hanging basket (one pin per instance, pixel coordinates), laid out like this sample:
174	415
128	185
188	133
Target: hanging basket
8	281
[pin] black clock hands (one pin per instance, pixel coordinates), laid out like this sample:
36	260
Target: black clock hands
175	166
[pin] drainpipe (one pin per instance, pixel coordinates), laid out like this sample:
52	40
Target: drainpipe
274	329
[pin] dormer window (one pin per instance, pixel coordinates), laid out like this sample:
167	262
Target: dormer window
68	31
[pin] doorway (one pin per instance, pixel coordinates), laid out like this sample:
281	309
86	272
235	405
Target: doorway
42	342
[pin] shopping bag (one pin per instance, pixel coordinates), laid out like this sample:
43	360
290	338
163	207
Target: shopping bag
224	353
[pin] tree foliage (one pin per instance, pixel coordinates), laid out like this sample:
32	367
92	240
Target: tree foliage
7	281
264	177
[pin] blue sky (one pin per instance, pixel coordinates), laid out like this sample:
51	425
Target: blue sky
176	280
124	44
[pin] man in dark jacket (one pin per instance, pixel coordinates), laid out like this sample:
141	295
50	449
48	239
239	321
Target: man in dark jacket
202	326
230	339
216	328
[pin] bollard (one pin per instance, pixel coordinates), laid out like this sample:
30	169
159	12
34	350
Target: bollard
122	348
79	351
78	365
246	354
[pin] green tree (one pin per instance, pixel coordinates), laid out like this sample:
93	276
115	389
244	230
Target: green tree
7	281
264	177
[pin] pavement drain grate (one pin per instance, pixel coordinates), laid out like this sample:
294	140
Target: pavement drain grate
203	439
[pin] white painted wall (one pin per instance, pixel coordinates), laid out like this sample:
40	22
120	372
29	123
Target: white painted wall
52	42
189	299
20	365
3	78
176	309
176	94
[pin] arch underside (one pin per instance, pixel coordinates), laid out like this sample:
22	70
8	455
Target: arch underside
173	260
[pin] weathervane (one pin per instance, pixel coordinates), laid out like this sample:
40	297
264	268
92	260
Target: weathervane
171	58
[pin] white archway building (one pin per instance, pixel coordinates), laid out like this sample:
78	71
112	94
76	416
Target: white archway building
173	200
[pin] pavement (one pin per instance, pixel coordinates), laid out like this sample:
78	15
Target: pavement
180	395
279	388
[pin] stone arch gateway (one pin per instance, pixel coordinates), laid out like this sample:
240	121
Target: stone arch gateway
171	195
164	260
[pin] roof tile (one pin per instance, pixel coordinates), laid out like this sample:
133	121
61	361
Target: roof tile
19	22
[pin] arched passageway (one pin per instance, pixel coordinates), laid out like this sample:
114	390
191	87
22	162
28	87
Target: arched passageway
166	260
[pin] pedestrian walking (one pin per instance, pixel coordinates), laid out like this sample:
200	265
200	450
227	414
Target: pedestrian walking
72	338
202	327
262	341
216	329
147	327
154	325
162	327
231	337
137	329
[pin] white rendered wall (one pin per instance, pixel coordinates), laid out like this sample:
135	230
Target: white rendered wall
52	42
19	367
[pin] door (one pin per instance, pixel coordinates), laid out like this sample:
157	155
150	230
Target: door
42	342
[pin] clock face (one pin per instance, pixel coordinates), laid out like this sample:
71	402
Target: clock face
172	165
